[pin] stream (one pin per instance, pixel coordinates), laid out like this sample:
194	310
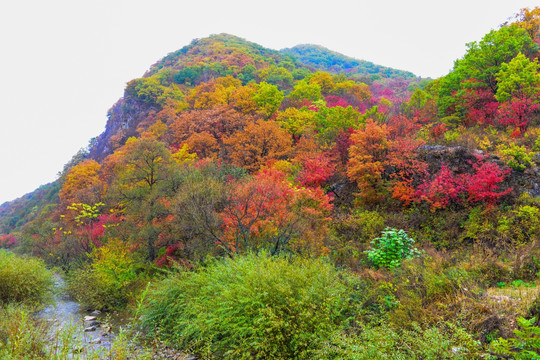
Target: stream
87	331
90	329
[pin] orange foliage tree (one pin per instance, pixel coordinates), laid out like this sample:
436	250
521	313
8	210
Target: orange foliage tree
388	149
216	92
267	212
367	157
258	143
211	126
82	184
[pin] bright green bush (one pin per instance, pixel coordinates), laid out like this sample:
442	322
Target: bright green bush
391	248
23	279
528	222
250	307
107	283
516	157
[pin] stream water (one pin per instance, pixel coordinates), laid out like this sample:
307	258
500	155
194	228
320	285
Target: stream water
65	313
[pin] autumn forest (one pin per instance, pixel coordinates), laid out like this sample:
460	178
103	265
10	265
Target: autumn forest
248	203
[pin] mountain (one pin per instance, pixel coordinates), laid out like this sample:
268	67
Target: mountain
173	77
227	55
216	54
16	213
324	59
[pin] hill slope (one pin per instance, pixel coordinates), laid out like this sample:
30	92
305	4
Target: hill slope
324	59
206	59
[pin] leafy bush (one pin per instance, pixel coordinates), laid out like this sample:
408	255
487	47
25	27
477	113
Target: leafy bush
422	284
108	282
391	248
23	279
352	234
253	306
525	345
516	157
527	221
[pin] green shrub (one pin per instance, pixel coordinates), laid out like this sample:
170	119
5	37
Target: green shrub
23	279
446	341
351	234
516	157
422	285
391	248
107	283
525	344
444	282
527	221
250	307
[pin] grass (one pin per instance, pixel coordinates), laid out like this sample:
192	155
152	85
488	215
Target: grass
513	300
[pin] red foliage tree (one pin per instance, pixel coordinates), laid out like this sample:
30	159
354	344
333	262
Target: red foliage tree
333	101
484	184
480	105
439	191
517	112
316	170
267	212
341	146
7	241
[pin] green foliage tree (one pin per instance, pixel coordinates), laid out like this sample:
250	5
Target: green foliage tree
268	98
274	75
143	166
247	74
148	90
108	281
482	63
518	78
296	121
305	90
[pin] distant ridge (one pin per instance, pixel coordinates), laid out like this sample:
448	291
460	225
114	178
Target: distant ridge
322	58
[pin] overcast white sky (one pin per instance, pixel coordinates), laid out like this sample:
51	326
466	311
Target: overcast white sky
65	62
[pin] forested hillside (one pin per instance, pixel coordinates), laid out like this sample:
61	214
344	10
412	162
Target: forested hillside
323	59
400	216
